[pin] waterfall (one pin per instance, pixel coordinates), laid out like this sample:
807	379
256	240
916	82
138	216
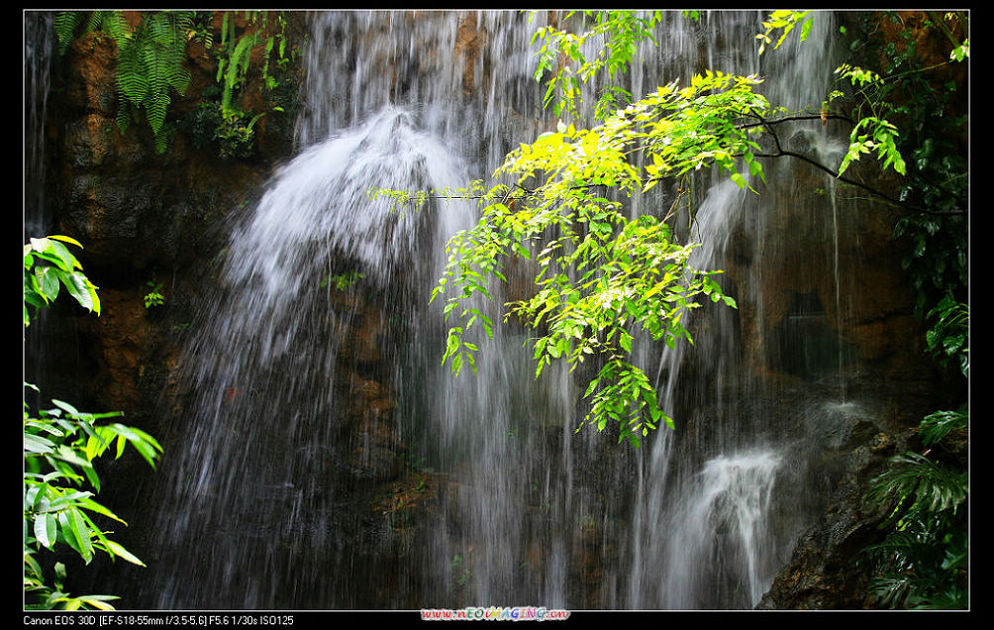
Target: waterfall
717	555
39	50
266	502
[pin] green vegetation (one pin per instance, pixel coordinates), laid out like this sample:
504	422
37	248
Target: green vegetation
154	297
341	281
60	446
785	22
49	265
235	127
624	31
152	64
605	281
602	273
922	560
151	61
599	273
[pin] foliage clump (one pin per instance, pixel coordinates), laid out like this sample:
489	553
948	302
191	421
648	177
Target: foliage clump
603	275
151	61
60	447
152	66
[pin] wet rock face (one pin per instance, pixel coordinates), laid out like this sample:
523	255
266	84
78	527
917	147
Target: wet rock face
825	572
142	216
128	205
827	274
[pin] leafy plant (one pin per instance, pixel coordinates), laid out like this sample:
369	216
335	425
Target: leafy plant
234	53
152	58
894	83
235	131
922	561
60	482
623	32
60	446
49	265
600	274
342	281
874	134
949	337
784	21
154	297
461	572
151	61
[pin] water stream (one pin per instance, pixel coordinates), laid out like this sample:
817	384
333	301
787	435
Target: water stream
260	508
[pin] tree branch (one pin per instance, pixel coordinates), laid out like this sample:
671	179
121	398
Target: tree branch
781	152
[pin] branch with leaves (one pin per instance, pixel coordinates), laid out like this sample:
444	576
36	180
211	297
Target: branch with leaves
602	277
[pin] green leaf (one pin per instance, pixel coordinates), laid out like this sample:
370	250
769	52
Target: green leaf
66	239
625	341
119	551
47	282
46	529
38	444
77	285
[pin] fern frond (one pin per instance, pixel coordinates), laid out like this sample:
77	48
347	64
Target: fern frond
95	20
166	49
123	117
155	111
132	80
65	23
161	141
113	24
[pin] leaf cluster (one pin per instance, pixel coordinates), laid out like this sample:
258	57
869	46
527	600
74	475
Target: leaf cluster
563	56
783	21
949	336
152	65
60	446
151	60
48	266
232	125
60	482
154	297
922	560
600	274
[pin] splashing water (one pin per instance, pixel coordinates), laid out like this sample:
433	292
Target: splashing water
720	536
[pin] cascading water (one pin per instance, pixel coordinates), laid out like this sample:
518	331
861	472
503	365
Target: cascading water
39	50
279	332
267	503
729	501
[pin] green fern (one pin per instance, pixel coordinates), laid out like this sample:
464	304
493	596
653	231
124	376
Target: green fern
65	24
110	23
151	60
151	65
